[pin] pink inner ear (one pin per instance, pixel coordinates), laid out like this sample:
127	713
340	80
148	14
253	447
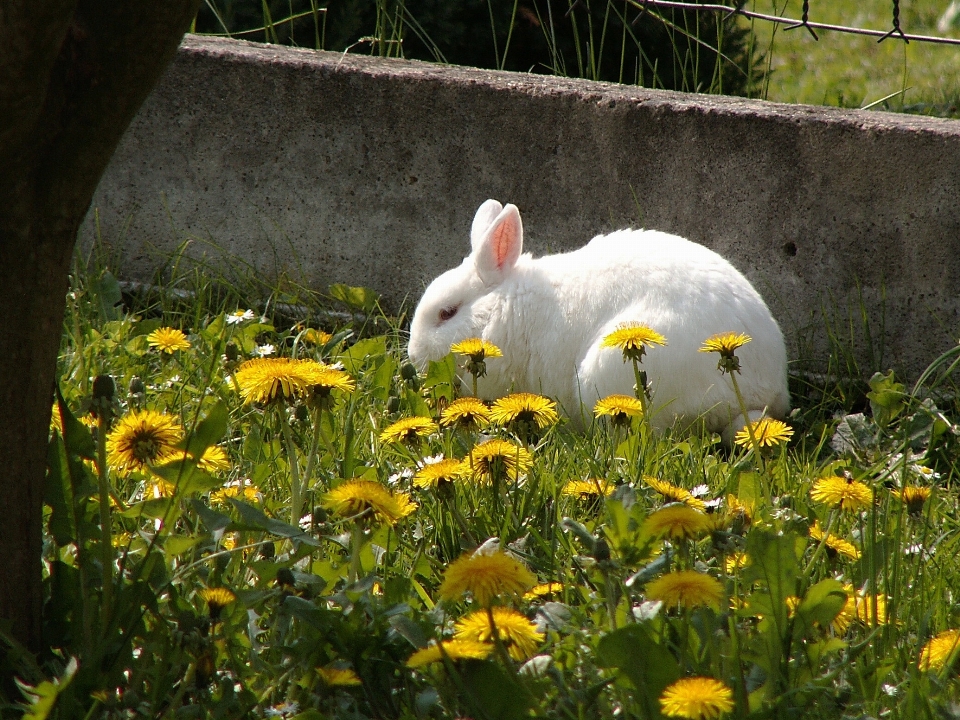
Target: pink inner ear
504	236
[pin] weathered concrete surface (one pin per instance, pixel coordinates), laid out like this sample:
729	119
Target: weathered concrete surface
366	171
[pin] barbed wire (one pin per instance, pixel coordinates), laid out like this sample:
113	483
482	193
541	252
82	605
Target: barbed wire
803	22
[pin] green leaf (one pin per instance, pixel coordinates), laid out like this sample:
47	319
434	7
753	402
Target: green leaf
155	508
77	437
648	666
775	562
416	404
361	298
363	353
442	377
854	432
58	494
209	431
493	691
820	605
175	545
887	399
304	610
255	517
212	520
186	477
106	295
43	697
382	379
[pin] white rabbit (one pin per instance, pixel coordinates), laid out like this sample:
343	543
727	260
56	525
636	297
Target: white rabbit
549	316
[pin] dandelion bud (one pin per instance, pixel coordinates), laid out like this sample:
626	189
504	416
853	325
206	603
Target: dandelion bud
408	372
231	352
104	388
601	551
285	578
136	387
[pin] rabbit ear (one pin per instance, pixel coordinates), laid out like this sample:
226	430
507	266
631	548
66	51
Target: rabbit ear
482	220
497	249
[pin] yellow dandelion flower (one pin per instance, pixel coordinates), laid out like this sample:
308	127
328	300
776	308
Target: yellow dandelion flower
141	438
939	650
543	590
325	381
914	497
338	677
315	337
356	497
229	541
518	635
477	349
687	589
263	380
524	408
453	649
214	459
158	488
736	561
633	339
468	413
247	493
843	493
492	457
835	545
696	698
168	340
848	613
217	599
677	522
408	429
444	471
673	493
619	408
725	343
840	624
586	489
767	431
486	576
871	610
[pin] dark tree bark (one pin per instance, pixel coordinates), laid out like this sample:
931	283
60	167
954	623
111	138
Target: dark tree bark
73	74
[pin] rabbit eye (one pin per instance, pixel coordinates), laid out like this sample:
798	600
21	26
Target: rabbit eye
448	312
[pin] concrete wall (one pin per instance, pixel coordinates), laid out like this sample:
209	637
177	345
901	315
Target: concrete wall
366	171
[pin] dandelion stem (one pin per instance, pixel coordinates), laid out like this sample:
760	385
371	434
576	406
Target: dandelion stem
753	437
356	541
296	489
106	539
314	446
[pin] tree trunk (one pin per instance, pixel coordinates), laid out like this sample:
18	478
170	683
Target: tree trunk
73	74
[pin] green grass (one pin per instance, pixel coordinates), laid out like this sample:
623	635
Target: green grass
856	71
128	555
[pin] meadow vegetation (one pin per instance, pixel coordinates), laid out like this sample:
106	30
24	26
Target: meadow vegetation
260	509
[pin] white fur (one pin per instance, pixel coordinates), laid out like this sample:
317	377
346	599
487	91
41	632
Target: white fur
549	315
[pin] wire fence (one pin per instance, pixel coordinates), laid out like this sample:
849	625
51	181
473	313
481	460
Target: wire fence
803	22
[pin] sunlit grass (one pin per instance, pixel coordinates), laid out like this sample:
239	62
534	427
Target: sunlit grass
856	71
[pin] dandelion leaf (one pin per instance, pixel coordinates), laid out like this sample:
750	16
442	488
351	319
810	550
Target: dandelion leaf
854	433
647	665
212	519
254	517
887	399
360	298
209	431
820	605
43	697
493	693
